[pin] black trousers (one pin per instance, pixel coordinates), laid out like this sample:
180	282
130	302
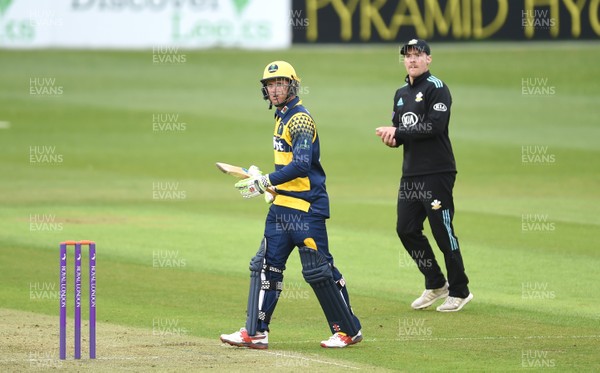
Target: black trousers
430	196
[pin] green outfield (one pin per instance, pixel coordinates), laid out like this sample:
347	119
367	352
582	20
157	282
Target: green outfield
119	147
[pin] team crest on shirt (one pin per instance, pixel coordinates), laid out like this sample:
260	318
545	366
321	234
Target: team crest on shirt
419	97
436	205
304	145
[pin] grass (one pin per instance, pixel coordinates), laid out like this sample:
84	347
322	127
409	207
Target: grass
533	289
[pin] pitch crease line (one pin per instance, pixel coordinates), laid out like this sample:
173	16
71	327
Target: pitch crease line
310	359
463	338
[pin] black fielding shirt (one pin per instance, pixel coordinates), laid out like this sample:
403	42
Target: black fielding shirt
421	116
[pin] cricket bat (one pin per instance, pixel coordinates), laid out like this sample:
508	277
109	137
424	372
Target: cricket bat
239	172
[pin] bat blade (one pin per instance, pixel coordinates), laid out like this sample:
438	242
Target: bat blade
239	172
236	171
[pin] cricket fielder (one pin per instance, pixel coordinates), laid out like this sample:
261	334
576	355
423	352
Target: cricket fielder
296	218
420	118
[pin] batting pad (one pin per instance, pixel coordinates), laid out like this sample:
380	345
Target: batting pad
317	272
256	268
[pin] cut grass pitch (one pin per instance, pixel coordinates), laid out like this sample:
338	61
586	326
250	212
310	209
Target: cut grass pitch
174	238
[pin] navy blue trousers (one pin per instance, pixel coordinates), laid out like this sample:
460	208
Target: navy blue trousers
286	229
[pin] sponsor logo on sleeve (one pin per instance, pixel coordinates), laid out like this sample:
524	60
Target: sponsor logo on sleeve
440	107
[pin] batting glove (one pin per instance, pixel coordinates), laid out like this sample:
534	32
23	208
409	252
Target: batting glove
255	185
255	171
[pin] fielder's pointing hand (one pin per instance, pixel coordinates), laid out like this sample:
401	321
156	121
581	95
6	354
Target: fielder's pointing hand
387	135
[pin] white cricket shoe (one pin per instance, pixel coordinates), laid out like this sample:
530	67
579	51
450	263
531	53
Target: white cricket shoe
429	296
453	304
242	339
341	340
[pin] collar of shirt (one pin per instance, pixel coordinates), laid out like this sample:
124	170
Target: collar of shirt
418	79
281	113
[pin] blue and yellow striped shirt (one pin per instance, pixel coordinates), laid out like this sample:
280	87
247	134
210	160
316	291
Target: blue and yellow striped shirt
299	176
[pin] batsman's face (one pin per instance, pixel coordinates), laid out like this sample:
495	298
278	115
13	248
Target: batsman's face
278	90
416	62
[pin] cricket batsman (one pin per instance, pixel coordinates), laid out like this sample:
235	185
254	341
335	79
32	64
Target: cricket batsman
296	218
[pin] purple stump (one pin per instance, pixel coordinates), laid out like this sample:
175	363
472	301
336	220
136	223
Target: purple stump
77	322
92	278
63	301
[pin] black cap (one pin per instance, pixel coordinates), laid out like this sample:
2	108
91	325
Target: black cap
418	44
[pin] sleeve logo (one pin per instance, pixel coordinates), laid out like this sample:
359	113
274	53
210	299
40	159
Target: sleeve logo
440	107
305	145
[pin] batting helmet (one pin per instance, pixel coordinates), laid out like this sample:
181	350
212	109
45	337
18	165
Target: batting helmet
280	69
